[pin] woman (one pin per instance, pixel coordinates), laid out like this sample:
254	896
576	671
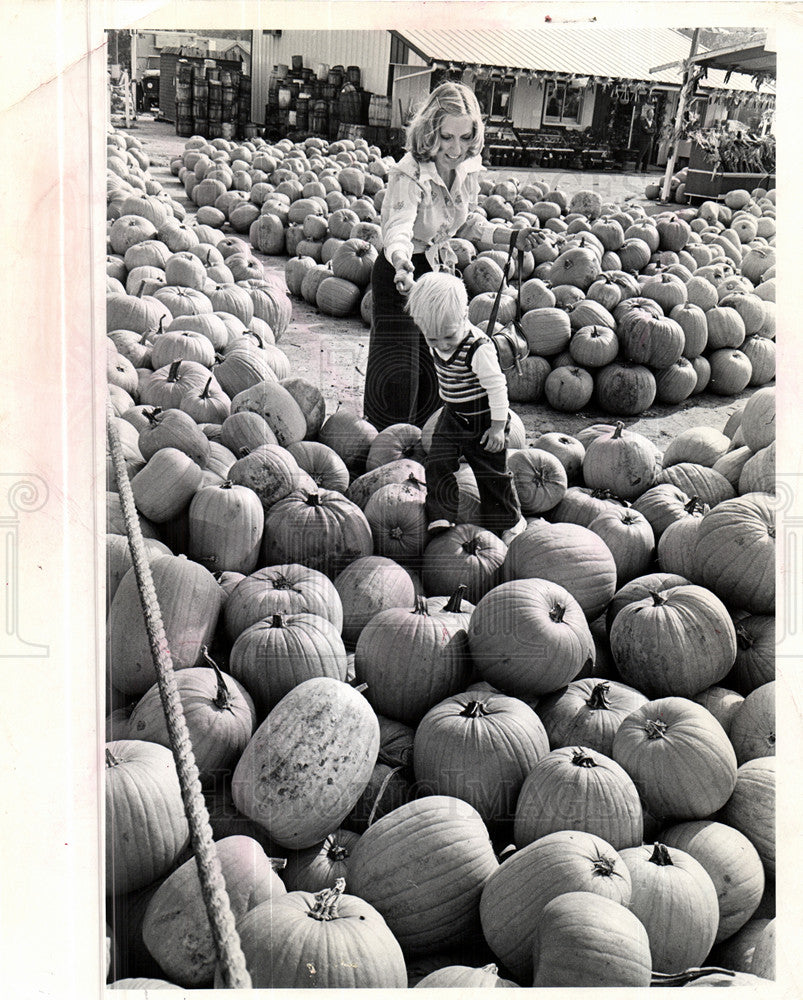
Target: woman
431	194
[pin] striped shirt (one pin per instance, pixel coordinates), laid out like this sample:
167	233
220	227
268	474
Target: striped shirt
470	380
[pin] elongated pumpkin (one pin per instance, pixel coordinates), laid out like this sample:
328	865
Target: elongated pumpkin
190	601
308	762
445	843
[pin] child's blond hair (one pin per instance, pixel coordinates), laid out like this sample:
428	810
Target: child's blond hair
435	296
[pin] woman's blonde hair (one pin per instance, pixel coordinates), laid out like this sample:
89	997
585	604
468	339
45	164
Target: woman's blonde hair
435	297
447	99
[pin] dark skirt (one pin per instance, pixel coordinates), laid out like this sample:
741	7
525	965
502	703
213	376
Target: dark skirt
400	381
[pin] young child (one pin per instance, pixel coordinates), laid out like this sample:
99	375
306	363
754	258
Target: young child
474	420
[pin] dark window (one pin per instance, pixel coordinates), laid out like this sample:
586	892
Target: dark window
494	97
563	104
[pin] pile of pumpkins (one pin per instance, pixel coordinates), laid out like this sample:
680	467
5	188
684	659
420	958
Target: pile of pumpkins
546	764
618	307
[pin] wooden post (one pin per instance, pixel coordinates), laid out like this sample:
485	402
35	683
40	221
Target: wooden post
684	93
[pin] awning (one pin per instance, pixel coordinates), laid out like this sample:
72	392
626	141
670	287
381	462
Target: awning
556	51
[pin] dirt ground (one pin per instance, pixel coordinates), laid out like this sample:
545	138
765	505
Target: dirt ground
332	352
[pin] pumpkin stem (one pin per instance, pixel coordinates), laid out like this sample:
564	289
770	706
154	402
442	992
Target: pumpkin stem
660	855
692	505
222	699
582	759
337	852
473	710
153	415
276	620
313	500
687	976
172	375
454	603
361	687
617	431
382	789
205	392
278	863
420	605
491	969
604	866
655	729
657	600
226	484
743	637
256	336
396	533
327	901
557	613
471	545
111	760
597	699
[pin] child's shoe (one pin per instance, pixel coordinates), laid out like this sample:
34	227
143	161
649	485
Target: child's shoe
511	533
439	526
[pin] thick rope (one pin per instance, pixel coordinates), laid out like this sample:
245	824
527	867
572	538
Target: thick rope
213	887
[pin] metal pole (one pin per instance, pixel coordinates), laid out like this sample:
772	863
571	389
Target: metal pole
684	92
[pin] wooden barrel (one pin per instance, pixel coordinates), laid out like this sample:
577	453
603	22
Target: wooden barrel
215	112
336	77
229	94
199	108
284	98
250	130
213	74
351	107
297	63
244	84
184	73
183	91
379	110
184	125
353	75
201	126
200	88
319	118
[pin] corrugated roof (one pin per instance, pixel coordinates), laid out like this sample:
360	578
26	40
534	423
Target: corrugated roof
587	50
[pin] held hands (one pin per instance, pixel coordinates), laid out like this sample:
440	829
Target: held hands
494	438
403	278
527	238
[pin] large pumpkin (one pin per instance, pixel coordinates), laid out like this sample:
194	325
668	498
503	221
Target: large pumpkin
752	731
146	828
225	528
465	554
176	928
674	897
679	756
327	940
284	589
751	807
540	479
515	895
411	659
587	713
629	536
277	406
308	762
735	554
732	863
367	586
275	654
218	711
675	643
529	637
575	788
190	601
583	939
322	530
479	748
625	389
398	521
445	843
566	554
755	651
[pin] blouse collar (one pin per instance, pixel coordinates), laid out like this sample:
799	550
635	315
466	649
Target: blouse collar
426	171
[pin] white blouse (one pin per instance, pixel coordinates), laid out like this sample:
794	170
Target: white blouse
420	214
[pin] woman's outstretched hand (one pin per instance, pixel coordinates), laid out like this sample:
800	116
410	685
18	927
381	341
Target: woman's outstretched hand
527	238
403	278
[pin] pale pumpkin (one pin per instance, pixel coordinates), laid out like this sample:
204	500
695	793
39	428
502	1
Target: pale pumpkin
583	939
279	781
